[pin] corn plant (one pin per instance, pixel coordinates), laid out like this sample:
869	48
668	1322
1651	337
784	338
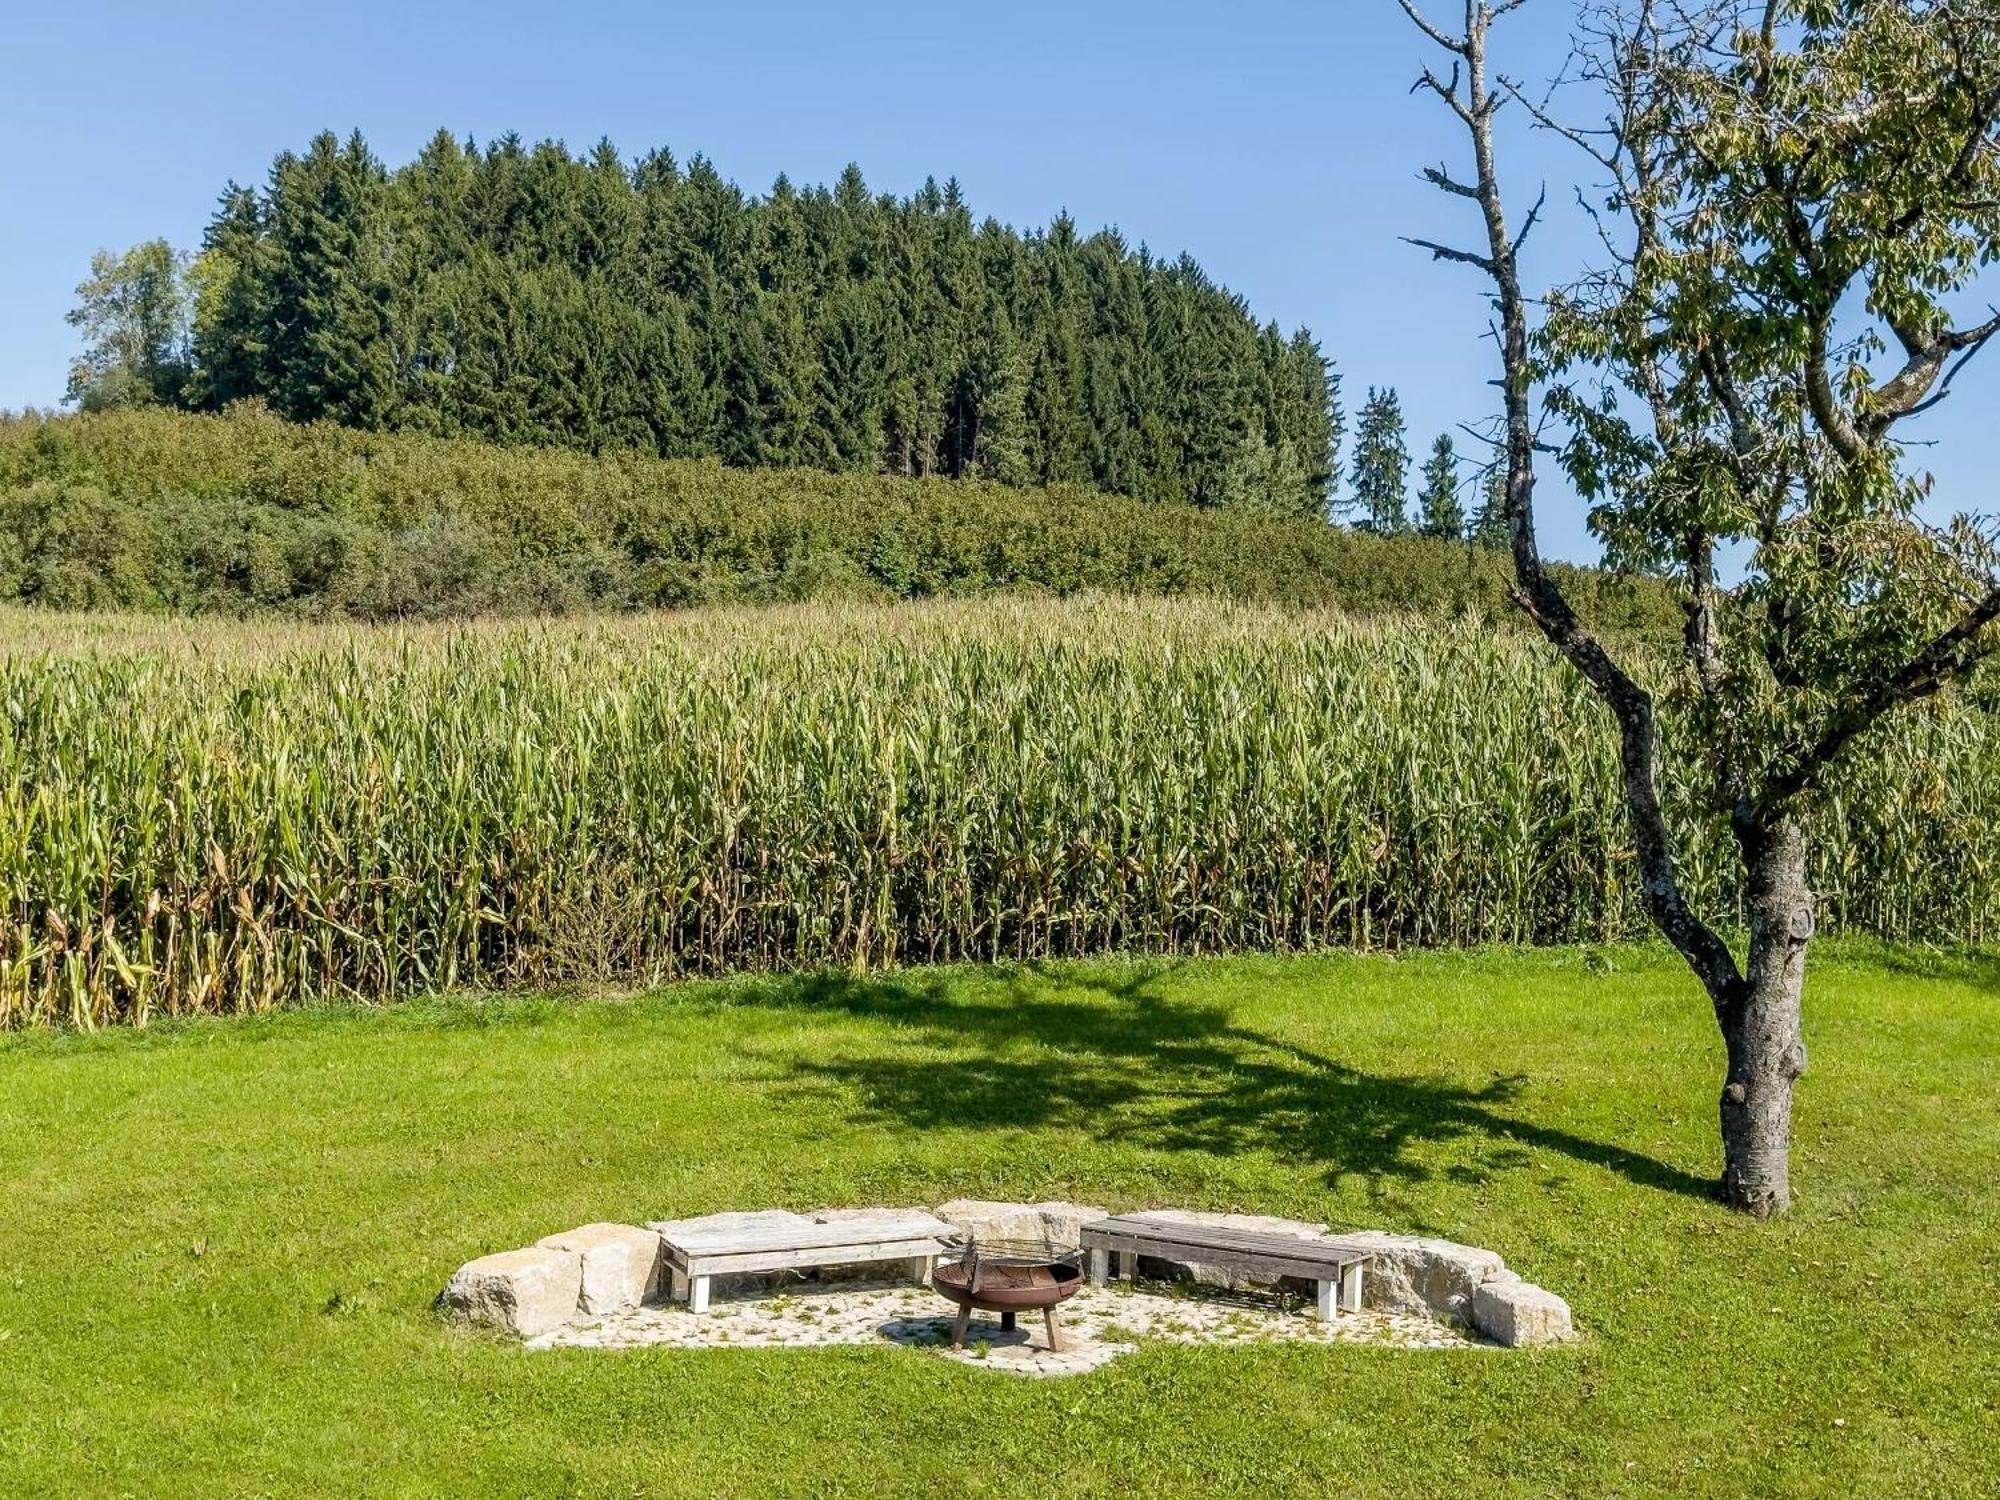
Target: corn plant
231	818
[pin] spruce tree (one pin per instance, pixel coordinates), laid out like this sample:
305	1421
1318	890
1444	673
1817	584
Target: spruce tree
1381	464
329	300
1489	523
524	293
1442	515
232	320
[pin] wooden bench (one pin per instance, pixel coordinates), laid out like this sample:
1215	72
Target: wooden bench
695	1255
1335	1264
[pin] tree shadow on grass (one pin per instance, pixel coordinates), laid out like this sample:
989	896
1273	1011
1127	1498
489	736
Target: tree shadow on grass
1113	1057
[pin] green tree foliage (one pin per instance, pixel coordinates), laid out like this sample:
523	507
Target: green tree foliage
1443	515
243	513
134	312
1488	527
1381	477
526	295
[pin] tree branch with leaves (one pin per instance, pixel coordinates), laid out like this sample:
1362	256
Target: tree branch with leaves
1784	191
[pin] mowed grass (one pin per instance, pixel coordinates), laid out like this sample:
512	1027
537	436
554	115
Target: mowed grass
221	1239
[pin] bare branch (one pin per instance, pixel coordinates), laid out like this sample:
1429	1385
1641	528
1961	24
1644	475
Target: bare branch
1534	218
1445	91
1437	177
1445	252
1536	592
1443	39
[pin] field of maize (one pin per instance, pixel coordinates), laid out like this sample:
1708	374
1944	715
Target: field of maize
226	817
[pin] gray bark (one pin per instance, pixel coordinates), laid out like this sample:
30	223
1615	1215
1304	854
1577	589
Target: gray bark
1760	1020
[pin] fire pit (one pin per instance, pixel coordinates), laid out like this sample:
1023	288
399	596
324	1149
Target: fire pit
1007	1277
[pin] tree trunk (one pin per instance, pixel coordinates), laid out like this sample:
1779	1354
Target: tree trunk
1761	1024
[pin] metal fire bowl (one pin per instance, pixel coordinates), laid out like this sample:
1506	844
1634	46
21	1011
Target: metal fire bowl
1009	1288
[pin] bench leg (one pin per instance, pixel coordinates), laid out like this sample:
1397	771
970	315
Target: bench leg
677	1284
1350	1288
1100	1267
1325	1308
698	1295
921	1267
1128	1265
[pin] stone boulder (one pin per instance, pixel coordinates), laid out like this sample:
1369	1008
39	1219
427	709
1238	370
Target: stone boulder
522	1292
622	1266
1055	1222
1433	1278
1516	1313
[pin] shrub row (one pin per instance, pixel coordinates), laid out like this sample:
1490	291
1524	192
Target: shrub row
242	513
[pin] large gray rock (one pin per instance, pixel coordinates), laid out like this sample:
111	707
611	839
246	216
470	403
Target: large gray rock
1219	1276
622	1266
1054	1222
522	1292
1435	1278
1516	1313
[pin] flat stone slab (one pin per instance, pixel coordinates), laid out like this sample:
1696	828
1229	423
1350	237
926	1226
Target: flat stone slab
1099	1325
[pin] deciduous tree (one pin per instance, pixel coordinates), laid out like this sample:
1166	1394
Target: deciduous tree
1790	188
134	312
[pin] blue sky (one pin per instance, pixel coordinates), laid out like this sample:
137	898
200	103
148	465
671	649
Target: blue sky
1274	140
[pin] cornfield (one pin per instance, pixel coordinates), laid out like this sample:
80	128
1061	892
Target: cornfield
218	818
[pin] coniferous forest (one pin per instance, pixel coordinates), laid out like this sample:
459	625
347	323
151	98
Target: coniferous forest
528	295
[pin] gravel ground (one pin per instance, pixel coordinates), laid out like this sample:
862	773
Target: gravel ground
1098	1324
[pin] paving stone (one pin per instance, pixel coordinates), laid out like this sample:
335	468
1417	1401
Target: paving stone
1099	1325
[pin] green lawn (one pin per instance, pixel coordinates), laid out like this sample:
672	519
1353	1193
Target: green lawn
219	1242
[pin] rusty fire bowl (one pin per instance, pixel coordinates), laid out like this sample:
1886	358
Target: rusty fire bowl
1009	1288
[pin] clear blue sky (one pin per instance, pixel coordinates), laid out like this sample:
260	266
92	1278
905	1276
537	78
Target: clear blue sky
1275	140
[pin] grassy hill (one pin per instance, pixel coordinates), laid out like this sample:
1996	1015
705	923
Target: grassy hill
245	513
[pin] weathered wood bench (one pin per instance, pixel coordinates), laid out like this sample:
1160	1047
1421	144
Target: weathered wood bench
1335	1264
695	1255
